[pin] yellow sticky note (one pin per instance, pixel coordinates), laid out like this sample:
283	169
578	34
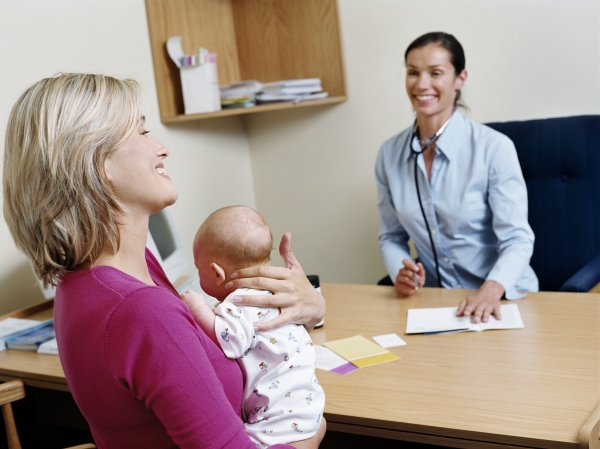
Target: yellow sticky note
360	351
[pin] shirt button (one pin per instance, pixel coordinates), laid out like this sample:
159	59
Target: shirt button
433	232
446	259
429	200
436	166
458	286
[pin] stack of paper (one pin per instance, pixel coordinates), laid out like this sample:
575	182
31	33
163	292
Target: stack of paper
444	319
11	326
48	347
30	339
292	90
240	95
360	351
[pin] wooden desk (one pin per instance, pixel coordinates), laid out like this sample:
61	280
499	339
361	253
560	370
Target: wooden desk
35	370
532	387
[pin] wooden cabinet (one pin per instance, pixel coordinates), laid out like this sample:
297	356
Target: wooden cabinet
264	40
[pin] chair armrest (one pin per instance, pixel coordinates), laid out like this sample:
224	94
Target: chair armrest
585	279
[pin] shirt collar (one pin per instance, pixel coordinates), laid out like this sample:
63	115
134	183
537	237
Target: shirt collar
448	143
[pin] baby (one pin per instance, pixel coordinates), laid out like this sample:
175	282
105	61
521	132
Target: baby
283	401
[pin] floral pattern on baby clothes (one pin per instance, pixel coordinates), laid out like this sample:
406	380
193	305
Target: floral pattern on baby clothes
282	397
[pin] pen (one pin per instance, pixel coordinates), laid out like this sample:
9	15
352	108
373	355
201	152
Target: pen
416	280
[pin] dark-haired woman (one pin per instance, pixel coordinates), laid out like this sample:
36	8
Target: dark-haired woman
455	188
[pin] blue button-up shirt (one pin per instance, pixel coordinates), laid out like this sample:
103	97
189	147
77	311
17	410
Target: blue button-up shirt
475	203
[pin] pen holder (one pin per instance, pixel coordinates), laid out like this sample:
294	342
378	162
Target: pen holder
199	79
314	281
200	87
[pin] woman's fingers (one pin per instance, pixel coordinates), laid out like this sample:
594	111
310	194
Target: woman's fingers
285	251
421	274
483	303
292	292
405	283
261	271
283	318
263	300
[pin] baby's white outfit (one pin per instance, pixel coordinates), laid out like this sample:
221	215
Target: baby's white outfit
283	401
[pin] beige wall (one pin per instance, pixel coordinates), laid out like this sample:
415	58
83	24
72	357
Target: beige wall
310	170
313	169
209	161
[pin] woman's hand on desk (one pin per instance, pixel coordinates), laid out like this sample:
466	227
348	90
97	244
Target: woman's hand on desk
298	300
405	281
483	303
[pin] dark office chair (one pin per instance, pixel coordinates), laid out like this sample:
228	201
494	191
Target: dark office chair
10	392
560	160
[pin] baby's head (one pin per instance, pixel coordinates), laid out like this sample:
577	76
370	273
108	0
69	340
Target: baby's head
230	238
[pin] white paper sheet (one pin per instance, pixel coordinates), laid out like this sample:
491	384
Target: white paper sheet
444	319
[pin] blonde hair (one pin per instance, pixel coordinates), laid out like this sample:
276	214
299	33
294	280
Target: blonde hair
58	204
236	234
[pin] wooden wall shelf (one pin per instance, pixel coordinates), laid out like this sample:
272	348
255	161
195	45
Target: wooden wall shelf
264	40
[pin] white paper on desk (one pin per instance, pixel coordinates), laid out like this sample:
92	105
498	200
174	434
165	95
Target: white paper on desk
389	340
444	319
48	347
327	359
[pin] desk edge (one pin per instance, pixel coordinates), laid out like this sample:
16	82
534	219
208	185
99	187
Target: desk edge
589	436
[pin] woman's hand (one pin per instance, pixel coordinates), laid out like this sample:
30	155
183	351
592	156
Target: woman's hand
298	300
483	303
405	281
313	442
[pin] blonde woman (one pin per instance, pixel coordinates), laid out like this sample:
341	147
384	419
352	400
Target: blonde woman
81	178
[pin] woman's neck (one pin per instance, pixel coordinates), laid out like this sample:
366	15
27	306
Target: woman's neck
429	125
130	258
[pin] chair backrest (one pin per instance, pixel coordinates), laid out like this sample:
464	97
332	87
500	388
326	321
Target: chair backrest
10	392
560	160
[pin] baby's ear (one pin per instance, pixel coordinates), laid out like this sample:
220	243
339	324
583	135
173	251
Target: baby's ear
218	272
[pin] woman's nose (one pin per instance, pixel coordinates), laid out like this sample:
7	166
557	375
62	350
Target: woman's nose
163	150
423	82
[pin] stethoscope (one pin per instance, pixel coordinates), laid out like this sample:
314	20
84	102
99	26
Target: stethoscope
424	147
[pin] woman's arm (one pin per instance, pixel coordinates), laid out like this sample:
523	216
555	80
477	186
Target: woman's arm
298	300
393	238
507	198
158	355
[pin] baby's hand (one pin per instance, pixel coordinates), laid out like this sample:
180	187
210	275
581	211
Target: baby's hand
192	299
198	307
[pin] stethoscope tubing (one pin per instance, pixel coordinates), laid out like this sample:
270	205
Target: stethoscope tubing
430	142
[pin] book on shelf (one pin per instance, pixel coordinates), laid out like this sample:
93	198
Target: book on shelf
297	98
244	102
292	90
444	320
239	90
30	339
12	326
293	83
